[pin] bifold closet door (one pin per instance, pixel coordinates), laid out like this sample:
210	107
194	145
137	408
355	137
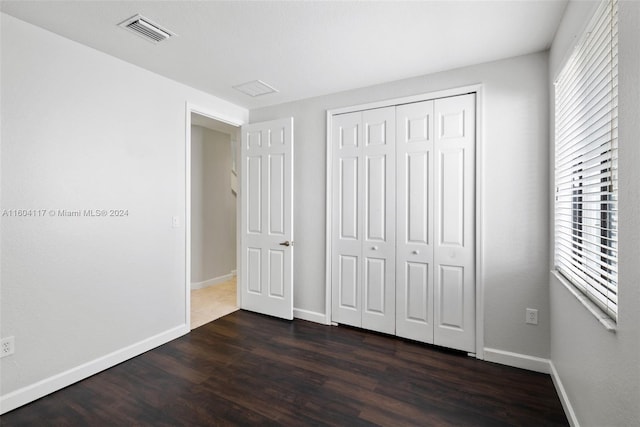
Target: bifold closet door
379	202
363	252
414	232
435	287
454	222
346	241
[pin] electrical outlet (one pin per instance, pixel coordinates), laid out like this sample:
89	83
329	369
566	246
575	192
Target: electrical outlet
175	221
531	316
7	346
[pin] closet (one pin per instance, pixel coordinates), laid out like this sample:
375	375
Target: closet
403	220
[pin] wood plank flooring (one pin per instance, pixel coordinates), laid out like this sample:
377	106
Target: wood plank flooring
248	369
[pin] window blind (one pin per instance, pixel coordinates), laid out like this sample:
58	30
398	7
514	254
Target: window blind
586	162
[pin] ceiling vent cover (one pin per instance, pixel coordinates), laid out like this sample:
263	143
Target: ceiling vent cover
255	88
146	29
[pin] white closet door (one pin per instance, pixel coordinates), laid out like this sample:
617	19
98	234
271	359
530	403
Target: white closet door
346	258
454	216
378	244
414	254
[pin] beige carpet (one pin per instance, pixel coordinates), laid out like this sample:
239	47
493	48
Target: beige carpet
213	302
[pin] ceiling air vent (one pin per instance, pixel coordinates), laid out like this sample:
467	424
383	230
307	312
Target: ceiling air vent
147	29
255	88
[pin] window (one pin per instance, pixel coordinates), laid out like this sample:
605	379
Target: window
586	162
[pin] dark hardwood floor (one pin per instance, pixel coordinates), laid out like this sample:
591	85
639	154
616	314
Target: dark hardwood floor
248	369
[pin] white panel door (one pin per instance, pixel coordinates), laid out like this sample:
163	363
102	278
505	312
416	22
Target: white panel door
414	247
266	276
363	234
346	254
379	219
454	222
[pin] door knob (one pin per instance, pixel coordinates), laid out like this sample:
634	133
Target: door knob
416	252
285	243
374	248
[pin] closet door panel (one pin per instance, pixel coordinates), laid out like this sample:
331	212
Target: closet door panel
417	177
416	297
348	193
451	297
378	244
348	267
414	253
451	200
347	224
454	215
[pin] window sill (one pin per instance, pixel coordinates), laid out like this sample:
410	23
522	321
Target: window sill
608	323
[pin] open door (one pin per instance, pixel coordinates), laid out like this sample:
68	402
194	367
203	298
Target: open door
266	233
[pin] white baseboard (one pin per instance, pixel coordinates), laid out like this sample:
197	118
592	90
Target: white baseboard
517	360
311	316
564	399
47	386
214	281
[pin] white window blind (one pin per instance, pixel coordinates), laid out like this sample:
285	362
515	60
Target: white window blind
586	162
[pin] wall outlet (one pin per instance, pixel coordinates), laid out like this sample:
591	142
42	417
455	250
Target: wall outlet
7	346
531	316
175	222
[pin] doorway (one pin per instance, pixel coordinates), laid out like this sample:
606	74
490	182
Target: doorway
211	225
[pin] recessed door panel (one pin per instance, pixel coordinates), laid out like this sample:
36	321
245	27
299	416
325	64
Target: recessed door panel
348	283
417	182
254	140
452	124
417	128
276	273
417	288
375	285
379	294
277	137
276	194
348	135
376	133
451	297
376	198
348	189
451	196
254	194
254	270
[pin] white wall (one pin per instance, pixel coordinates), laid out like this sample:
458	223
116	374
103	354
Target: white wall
213	207
83	130
515	182
600	370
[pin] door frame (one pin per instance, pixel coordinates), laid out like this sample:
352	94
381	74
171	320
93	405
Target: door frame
220	117
479	199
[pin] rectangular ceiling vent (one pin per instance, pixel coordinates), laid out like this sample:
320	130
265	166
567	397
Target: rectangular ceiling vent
255	88
146	29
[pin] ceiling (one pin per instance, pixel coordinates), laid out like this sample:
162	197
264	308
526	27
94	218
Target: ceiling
302	48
